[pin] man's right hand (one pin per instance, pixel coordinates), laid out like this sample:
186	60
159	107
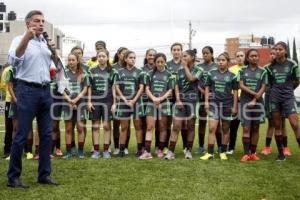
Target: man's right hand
30	33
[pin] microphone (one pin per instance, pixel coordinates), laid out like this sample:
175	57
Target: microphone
46	37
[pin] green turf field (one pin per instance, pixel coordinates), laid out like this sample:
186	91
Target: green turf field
130	178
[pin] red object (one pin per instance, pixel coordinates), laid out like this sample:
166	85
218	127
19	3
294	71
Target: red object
52	72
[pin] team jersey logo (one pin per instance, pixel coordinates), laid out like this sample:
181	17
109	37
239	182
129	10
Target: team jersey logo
258	75
286	69
227	78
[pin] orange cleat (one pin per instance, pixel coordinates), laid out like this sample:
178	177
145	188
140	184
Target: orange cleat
245	158
254	157
266	151
286	151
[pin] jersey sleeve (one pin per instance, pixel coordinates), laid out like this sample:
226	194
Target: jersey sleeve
198	73
208	81
264	77
9	76
296	71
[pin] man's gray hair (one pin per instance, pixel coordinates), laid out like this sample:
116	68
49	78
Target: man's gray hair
32	13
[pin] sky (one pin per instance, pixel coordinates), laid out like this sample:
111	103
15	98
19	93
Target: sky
143	24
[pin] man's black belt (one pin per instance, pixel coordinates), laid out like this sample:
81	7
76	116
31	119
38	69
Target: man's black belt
32	84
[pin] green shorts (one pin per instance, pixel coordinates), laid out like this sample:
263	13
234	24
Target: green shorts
189	110
286	108
220	112
163	110
124	112
102	111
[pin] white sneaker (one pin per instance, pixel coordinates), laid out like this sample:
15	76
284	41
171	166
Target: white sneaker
116	151
230	152
188	155
126	151
170	156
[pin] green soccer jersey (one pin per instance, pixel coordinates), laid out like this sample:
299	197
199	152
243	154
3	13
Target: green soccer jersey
222	84
102	80
129	81
189	89
281	79
159	82
253	79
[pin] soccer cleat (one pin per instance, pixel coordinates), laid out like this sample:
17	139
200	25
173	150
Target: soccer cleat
207	156
51	156
29	156
223	156
67	156
58	153
74	151
160	154
116	151
145	156
170	156
281	157
96	155
184	150
36	157
7	158
200	150
165	151
106	155
245	158
286	151
188	155
80	154
126	151
266	151
254	157
230	152
121	154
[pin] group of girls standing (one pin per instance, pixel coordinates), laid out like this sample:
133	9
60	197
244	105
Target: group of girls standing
166	97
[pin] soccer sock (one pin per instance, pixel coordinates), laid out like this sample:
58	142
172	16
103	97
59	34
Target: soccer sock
80	145
246	143
139	146
201	140
284	141
37	149
279	144
106	147
53	145
268	141
219	138
127	140
116	142
161	145
184	133
253	148
148	145
122	147
190	145
96	147
298	140
210	148
29	145
172	146
224	148
57	144
73	143
68	147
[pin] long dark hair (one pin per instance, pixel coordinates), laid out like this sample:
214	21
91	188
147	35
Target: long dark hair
284	45
109	67
193	53
116	57
246	62
211	50
124	63
145	59
158	55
